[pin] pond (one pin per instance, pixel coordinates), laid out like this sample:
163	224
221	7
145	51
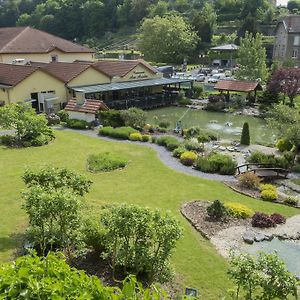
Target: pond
288	251
215	121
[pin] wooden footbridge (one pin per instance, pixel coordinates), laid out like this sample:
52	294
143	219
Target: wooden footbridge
263	171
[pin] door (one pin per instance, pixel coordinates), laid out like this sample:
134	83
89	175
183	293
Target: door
35	101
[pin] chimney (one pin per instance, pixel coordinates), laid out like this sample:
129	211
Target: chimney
80	98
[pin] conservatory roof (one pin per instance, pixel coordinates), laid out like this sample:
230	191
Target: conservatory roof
117	86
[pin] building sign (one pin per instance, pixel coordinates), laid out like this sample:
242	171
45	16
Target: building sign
139	75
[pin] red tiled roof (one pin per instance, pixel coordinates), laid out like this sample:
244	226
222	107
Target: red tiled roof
11	75
120	67
30	40
89	106
237	86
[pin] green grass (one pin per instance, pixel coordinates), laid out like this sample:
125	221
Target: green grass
296	181
146	181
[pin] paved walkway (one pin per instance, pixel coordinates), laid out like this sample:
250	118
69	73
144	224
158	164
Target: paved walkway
164	155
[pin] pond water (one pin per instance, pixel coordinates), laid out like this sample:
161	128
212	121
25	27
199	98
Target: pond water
215	121
288	251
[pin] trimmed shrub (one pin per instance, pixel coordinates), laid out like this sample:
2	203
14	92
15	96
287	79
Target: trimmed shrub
122	133
111	118
77	124
267	186
262	220
188	158
238	210
170	142
261	158
63	115
216	163
278	218
293	201
136	136
134	117
146	138
245	138
178	151
164	124
184	101
249	180
203	138
192	132
269	195
284	145
105	162
217	210
193	145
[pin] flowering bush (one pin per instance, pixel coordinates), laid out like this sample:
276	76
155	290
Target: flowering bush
146	137
269	187
262	220
136	136
238	210
178	151
188	158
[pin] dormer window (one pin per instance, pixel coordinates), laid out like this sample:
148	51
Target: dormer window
54	58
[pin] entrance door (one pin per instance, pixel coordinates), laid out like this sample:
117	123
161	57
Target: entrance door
35	102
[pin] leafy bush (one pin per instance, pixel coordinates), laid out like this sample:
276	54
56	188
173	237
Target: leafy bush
217	210
216	163
33	277
249	180
262	220
188	158
178	151
105	162
197	90
146	138
40	140
192	132
293	201
121	133
238	210
284	145
77	124
134	117
184	101
267	186
93	234
63	115
245	138
140	240
164	124
261	158
170	142
193	145
278	218
203	138
136	136
269	195
111	118
296	168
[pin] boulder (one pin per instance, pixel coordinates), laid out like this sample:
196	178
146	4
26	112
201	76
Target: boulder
249	237
259	237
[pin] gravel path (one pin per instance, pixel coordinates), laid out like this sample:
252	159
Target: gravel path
163	155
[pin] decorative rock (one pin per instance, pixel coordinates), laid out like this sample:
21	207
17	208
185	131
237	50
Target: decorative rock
249	237
259	237
222	148
269	237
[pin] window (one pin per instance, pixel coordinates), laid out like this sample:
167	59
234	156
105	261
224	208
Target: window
54	57
296	40
295	53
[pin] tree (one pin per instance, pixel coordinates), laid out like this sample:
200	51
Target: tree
53	207
134	117
245	138
265	277
252	58
287	122
30	128
287	81
293	5
167	39
140	240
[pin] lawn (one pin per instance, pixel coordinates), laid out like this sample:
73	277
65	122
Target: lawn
145	181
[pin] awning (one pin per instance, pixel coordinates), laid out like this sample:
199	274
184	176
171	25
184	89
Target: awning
117	86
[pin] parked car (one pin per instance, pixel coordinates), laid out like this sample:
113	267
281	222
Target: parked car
197	77
204	71
216	77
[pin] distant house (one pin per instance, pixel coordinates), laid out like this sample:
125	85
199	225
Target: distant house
19	45
287	42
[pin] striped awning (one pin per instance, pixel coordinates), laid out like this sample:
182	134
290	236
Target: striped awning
117	86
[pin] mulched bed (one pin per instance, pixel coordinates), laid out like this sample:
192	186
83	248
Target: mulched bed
195	213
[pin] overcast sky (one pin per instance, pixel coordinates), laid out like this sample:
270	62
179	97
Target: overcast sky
282	2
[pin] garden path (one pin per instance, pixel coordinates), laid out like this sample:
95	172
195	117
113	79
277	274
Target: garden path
163	155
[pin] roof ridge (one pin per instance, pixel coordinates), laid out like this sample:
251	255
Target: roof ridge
16	37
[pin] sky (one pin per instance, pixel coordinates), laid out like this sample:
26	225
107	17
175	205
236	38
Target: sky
282	2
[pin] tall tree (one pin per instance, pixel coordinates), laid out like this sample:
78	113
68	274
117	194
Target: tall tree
167	39
252	58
